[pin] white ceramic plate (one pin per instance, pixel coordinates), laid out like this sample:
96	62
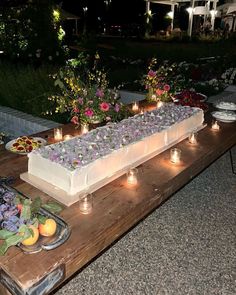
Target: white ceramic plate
226	117
8	146
224	105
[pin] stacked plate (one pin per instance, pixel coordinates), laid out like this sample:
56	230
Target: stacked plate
226	112
224	105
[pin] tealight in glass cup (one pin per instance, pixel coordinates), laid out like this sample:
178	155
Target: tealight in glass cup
84	128
215	126
193	138
132	176
86	204
175	155
135	106
58	134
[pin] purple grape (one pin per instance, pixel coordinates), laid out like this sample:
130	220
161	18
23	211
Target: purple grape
4	207
12	211
2	190
13	223
8	197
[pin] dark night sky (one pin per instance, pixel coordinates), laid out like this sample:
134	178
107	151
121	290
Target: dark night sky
122	11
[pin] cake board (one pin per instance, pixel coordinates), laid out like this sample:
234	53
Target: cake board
68	199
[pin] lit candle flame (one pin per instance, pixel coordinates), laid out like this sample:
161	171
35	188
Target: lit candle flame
215	126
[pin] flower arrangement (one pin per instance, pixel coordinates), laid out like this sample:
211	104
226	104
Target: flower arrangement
156	84
85	95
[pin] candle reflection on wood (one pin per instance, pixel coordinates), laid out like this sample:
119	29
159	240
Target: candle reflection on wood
67	137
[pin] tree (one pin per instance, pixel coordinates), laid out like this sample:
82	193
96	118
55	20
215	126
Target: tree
31	31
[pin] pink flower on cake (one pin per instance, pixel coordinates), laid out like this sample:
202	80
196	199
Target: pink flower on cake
104	106
89	112
80	100
166	87
75	120
99	93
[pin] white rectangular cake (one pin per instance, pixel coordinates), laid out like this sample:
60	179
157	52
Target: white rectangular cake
77	164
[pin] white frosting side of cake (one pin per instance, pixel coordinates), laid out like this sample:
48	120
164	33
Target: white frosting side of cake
81	178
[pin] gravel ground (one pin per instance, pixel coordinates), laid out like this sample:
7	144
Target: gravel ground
186	247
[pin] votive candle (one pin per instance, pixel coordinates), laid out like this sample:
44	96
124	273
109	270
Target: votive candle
135	106
84	128
193	138
132	178
215	126
86	204
159	104
58	135
175	155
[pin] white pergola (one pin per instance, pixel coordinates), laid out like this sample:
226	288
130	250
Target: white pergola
209	9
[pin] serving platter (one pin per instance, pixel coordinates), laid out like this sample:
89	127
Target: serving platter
224	116
25	147
224	105
44	243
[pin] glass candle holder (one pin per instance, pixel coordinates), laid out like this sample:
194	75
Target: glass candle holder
135	106
67	137
132	176
175	155
86	204
159	104
58	134
84	128
193	138
215	126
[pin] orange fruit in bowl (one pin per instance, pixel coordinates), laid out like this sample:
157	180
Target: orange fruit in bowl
48	228
33	238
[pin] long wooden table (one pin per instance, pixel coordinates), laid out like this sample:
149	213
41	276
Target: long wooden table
117	208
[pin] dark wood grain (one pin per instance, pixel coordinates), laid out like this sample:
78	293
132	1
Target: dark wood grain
117	207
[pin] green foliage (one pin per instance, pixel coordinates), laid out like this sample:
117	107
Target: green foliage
25	87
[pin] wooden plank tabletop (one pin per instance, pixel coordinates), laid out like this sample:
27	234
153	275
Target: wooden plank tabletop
117	208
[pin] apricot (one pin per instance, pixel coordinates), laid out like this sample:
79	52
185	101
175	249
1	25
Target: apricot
48	228
33	238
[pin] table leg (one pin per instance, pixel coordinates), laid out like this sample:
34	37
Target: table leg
232	161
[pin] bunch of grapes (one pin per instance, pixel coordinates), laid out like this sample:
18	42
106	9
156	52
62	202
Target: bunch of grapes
9	213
